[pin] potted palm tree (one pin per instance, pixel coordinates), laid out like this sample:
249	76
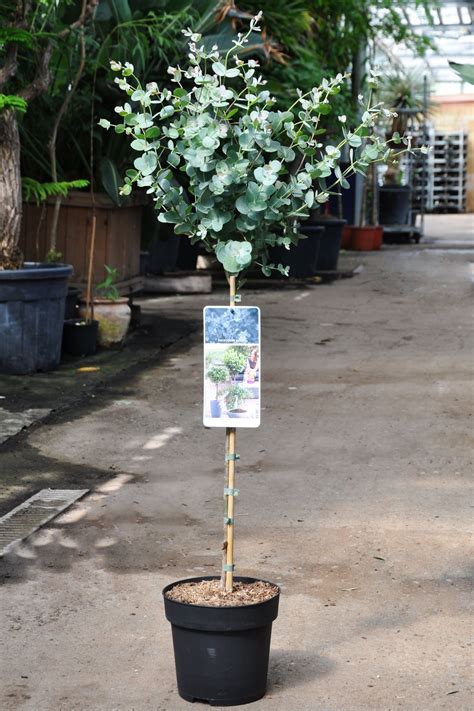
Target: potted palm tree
218	156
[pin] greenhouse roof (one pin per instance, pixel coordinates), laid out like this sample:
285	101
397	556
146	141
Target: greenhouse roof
451	27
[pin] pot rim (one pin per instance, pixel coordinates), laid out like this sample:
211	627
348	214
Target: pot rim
237	578
365	227
80	322
102	301
37	270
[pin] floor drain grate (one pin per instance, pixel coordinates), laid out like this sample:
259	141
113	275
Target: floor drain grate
28	517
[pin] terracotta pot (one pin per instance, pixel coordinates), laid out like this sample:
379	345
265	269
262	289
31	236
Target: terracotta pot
378	237
114	320
346	242
365	238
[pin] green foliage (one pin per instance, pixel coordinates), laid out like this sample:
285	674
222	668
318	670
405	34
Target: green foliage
16	35
218	374
316	38
111	179
10	101
106	288
247	172
39	192
465	71
53	256
235	396
234	360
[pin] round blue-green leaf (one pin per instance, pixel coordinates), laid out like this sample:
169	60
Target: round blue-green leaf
233	255
146	164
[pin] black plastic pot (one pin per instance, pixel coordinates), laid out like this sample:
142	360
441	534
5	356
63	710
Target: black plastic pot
301	257
394	204
80	338
32	303
221	653
330	244
72	303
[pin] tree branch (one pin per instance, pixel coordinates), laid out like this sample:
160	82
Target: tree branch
11	64
88	9
43	77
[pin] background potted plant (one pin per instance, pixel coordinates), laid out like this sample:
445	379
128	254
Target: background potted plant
367	235
217	374
111	310
234	360
80	332
229	169
406	93
235	397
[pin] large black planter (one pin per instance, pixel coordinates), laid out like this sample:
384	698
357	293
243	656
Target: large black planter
221	653
301	257
394	204
32	303
331	239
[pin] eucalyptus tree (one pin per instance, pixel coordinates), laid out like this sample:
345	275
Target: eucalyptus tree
248	171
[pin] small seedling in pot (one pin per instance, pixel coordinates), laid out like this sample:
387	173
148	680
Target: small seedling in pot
107	289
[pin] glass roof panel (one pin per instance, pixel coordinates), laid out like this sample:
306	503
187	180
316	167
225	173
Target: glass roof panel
452	32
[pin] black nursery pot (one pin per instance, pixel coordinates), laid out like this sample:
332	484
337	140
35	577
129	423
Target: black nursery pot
301	257
221	653
72	301
79	338
394	204
330	244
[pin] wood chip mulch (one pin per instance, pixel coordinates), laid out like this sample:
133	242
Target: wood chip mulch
209	593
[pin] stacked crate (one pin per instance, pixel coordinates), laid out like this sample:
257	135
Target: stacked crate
449	171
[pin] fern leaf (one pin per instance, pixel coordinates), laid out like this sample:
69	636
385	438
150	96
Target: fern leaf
39	192
17	35
10	101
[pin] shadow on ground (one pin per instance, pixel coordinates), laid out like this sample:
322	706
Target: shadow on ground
65	386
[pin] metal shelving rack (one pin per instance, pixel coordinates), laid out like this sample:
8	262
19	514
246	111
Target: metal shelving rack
449	171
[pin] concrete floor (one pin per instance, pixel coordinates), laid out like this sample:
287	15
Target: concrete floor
354	497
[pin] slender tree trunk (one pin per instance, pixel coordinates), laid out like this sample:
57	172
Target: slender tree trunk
10	191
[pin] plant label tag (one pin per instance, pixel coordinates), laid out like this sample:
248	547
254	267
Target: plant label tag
232	366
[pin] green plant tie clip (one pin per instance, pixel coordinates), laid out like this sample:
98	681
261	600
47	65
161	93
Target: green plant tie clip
232	457
237	298
228	567
230	492
228	521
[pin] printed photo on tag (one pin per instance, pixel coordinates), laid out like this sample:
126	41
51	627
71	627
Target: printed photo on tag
232	366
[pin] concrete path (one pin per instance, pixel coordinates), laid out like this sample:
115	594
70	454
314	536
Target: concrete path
354	497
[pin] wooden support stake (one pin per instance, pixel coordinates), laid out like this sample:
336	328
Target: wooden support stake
89	298
230	484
